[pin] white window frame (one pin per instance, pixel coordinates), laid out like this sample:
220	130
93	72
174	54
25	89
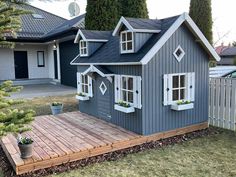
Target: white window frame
179	58
81	85
82	48
122	89
168	88
137	90
179	88
126	42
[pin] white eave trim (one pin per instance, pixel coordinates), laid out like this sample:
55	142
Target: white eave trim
183	18
71	63
130	28
94	69
87	40
121	63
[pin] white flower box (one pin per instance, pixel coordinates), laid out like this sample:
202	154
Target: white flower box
124	109
82	98
182	107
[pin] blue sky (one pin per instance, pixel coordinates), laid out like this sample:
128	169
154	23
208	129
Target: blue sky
223	13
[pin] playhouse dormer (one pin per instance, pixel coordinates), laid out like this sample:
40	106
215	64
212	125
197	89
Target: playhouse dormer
134	33
89	41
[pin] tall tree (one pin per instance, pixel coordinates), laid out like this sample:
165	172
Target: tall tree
134	8
201	13
101	14
10	20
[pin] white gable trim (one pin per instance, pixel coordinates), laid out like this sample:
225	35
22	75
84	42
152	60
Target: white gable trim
94	69
126	23
118	26
183	18
71	63
87	40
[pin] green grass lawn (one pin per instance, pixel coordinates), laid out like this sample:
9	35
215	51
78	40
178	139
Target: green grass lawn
203	157
41	105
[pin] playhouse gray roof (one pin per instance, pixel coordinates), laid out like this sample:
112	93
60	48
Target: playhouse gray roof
139	23
230	51
109	52
90	34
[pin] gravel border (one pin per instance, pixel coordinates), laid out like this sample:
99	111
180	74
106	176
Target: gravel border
112	156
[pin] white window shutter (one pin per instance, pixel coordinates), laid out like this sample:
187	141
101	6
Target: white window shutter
169	88
117	88
165	87
137	92
90	88
79	80
190	86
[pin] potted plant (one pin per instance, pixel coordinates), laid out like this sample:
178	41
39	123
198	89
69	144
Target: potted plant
124	107
182	105
26	147
56	108
82	97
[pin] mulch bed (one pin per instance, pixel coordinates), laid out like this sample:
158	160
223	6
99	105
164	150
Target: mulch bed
9	172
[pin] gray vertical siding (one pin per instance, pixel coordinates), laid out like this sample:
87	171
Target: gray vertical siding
156	116
93	46
140	39
132	121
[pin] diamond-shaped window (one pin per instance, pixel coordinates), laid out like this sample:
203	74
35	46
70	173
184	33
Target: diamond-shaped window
103	88
179	53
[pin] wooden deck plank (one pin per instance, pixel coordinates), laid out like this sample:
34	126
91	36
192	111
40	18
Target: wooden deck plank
74	136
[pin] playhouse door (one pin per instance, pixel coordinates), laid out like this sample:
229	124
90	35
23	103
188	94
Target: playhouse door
104	98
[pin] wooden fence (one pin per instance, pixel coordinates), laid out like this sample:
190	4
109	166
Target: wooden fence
222	103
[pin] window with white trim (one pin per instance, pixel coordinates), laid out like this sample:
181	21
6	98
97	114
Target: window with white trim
83	48
126	42
179	86
128	90
84	84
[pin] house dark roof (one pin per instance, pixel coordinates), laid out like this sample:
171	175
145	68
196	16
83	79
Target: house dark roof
41	25
109	52
75	23
138	23
230	51
90	34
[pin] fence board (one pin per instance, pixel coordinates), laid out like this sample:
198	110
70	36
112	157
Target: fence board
222	110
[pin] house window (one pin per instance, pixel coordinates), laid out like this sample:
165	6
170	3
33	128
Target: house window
126	42
128	90
40	59
179	53
84	84
83	48
178	87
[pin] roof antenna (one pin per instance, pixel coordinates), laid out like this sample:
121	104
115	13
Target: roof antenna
74	9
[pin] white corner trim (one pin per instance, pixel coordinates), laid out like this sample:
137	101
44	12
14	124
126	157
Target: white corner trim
122	21
71	63
183	18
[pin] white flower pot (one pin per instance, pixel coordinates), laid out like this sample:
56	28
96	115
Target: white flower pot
124	109
182	107
82	98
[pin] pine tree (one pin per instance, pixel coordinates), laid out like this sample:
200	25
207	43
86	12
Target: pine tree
101	14
10	21
134	8
200	11
11	120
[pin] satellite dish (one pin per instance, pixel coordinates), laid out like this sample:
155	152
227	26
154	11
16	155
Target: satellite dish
73	9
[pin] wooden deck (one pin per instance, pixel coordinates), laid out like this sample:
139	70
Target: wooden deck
73	136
